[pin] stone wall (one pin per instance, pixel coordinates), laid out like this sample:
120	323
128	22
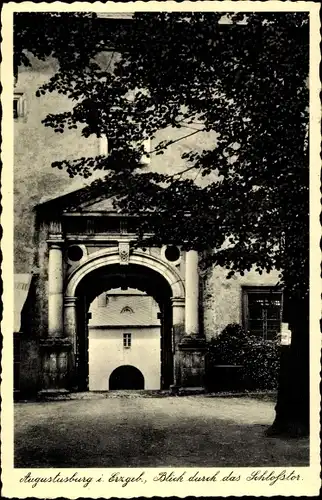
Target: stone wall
222	298
30	366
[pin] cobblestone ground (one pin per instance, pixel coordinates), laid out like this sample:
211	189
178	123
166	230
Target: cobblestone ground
128	430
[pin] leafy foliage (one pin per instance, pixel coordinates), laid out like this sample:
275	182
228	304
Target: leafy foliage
261	364
259	359
245	81
229	347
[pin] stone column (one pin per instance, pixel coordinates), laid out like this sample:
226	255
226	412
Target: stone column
55	348
192	294
192	347
55	289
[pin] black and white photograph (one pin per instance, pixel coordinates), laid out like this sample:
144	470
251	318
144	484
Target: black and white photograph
161	263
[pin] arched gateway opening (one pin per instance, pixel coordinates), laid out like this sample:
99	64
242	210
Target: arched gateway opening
105	273
126	377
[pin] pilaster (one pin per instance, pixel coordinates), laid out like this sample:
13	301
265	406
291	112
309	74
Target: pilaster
55	287
178	317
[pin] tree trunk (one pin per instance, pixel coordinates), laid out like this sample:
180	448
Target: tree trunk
292	408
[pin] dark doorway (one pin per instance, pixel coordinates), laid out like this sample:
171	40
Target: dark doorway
126	377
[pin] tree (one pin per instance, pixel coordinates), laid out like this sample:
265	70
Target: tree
246	81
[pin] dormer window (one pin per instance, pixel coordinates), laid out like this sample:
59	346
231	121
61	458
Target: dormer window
127	309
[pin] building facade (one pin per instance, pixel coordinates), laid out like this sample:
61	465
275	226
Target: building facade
124	341
70	255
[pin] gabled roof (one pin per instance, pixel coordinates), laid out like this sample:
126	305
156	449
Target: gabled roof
85	199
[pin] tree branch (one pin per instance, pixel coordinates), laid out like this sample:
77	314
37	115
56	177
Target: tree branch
177	140
181	173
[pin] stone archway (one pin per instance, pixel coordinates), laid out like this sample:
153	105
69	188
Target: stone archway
126	377
107	257
160	274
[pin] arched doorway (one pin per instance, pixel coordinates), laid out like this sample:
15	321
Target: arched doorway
126	377
102	271
129	277
96	276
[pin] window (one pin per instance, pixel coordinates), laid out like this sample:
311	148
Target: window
127	340
18	105
262	311
106	146
15	108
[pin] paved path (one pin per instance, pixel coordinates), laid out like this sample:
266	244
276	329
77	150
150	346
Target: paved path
187	431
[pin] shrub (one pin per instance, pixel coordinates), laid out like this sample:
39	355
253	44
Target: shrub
261	364
259	359
228	347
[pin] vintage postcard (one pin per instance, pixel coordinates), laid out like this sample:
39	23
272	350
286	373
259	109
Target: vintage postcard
160	249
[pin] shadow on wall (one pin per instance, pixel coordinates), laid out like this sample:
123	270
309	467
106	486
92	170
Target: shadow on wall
126	377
